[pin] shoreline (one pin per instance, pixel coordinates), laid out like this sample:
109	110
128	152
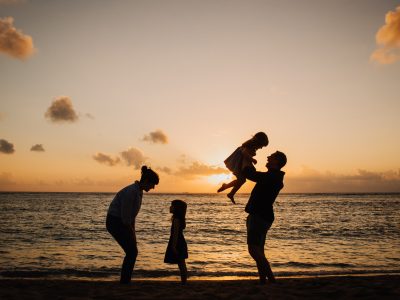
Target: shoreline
175	277
317	287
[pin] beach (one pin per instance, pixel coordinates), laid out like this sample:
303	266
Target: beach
327	287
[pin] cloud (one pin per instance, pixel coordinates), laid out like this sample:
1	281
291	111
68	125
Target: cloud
37	148
166	170
106	159
133	157
61	110
363	181
13	42
388	38
156	137
197	169
6	147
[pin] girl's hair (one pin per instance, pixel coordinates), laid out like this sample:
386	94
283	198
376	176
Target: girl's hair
149	175
260	139
179	211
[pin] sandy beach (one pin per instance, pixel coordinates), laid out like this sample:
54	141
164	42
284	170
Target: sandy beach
341	287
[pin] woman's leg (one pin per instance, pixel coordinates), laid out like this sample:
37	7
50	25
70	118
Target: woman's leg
128	264
125	237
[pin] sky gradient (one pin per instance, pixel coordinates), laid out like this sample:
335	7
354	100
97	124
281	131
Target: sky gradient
91	90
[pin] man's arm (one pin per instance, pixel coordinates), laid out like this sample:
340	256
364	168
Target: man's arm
251	174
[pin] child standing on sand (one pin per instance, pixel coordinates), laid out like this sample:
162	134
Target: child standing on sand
177	251
240	158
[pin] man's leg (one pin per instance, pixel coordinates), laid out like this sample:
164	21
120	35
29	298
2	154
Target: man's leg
257	229
263	266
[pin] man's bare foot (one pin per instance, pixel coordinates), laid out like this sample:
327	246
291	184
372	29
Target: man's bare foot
230	196
272	280
222	188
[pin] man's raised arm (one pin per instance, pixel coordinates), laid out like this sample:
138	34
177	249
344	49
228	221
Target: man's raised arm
251	174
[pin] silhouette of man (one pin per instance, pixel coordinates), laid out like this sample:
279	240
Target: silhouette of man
260	210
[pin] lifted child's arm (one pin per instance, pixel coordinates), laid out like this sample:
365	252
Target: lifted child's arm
248	154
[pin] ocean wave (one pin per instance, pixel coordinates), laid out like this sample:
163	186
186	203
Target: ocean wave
296	264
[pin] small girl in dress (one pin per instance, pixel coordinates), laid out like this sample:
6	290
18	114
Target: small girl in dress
242	157
177	251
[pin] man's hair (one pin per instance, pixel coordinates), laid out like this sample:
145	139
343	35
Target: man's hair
281	158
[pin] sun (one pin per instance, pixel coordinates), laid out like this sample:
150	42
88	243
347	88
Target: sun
219	178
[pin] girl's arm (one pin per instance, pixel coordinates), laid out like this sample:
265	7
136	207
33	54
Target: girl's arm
247	152
248	155
175	233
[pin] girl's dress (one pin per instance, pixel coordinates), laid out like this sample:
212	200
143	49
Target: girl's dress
237	160
181	248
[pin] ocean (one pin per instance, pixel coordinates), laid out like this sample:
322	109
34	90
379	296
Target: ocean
63	235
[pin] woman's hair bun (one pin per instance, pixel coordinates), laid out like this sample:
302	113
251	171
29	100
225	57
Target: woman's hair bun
149	175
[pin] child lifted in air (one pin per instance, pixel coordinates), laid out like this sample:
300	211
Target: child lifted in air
241	158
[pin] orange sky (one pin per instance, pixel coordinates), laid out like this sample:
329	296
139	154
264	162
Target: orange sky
95	89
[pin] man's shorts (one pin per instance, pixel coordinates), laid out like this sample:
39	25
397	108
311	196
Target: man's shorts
257	229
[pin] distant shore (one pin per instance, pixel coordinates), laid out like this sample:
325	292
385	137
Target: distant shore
327	287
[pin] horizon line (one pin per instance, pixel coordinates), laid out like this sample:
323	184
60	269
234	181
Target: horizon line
199	193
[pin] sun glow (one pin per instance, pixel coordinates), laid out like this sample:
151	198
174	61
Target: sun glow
219	178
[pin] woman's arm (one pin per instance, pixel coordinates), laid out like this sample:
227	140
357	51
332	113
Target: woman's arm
133	229
126	208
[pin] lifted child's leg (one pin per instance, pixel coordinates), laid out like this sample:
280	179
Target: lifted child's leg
238	183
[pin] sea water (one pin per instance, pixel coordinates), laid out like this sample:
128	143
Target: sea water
63	235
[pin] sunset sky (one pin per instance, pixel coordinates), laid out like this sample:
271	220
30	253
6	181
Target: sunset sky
91	90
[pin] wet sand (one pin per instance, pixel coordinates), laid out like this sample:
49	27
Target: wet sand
332	287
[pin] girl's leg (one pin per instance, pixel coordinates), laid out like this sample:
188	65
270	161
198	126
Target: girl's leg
225	186
183	270
238	183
